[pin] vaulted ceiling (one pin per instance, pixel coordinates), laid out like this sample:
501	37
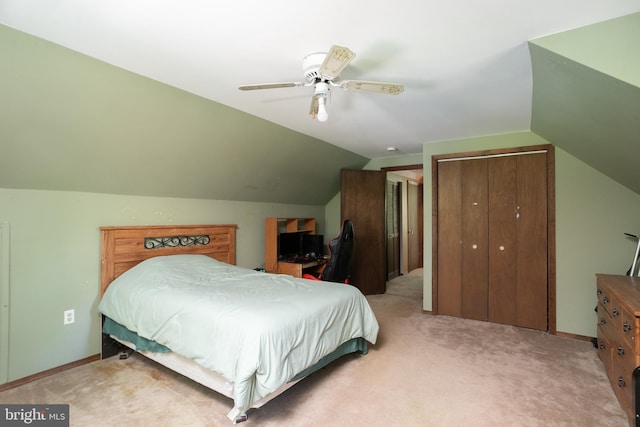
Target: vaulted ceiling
465	64
466	68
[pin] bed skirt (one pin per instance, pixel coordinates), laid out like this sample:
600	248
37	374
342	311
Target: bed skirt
162	355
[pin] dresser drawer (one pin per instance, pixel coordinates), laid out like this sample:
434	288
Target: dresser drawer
615	310
606	322
622	384
629	329
604	298
624	356
604	349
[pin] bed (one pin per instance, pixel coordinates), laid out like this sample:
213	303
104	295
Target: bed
175	295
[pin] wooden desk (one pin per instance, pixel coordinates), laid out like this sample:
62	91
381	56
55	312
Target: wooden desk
272	228
297	269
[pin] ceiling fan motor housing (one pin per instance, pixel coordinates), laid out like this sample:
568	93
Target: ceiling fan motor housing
311	67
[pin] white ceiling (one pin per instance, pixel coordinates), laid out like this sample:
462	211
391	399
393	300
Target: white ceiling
465	64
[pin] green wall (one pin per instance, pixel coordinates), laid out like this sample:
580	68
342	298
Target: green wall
54	262
611	47
592	214
586	95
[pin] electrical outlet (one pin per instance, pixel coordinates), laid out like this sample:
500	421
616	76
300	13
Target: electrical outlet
69	317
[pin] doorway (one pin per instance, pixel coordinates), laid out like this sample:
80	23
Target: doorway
404	220
363	200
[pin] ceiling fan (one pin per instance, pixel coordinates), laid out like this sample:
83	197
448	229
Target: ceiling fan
322	70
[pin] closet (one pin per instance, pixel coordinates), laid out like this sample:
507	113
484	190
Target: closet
492	223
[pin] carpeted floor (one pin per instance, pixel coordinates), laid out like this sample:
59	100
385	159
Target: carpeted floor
410	285
425	370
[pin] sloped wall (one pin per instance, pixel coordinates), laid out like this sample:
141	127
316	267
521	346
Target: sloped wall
586	95
73	123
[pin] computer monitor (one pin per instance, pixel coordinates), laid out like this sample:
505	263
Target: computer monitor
313	245
290	245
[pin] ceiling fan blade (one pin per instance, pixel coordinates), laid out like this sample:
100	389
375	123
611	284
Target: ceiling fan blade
313	110
377	87
336	60
270	86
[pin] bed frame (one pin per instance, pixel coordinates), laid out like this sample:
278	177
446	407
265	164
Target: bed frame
125	247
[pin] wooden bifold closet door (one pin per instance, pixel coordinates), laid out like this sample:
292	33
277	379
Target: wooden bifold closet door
492	239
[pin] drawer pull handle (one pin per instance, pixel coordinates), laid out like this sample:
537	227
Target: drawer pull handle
626	326
602	345
615	312
598	292
603	321
605	300
621	382
620	351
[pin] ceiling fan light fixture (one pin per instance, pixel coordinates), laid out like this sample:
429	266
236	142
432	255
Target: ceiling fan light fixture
322	115
321	93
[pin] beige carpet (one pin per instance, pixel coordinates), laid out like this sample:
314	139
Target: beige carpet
424	371
409	285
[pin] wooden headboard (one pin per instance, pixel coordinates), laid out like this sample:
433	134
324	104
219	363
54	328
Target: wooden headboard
124	247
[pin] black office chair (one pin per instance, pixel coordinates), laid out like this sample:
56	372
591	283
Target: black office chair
340	251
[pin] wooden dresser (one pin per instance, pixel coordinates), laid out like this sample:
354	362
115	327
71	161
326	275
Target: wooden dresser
619	334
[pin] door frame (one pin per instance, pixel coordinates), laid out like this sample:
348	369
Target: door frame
418	232
551	221
393	217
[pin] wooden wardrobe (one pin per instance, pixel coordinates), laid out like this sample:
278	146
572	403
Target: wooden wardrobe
494	245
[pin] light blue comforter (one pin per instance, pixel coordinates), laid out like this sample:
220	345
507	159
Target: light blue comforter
256	329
